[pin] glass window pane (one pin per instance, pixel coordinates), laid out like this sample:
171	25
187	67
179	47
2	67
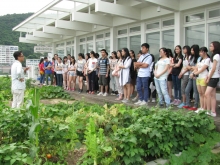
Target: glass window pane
168	22
107	34
195	17
107	46
73	42
153	25
99	36
68	43
122	43
153	39
83	48
90	38
68	50
124	31
214	13
60	53
135	43
213	32
195	35
82	40
89	47
135	29
168	39
99	46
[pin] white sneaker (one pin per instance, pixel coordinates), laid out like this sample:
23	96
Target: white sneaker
153	100
211	114
137	103
105	94
124	101
199	110
134	99
99	94
143	103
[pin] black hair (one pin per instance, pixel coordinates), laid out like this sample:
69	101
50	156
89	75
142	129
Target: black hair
68	55
93	53
88	55
204	49
165	51
133	53
41	60
176	55
104	50
140	52
216	50
81	55
120	52
73	59
45	58
146	45
169	53
56	55
17	54
127	55
65	57
188	52
60	58
115	53
96	55
196	53
153	58
53	58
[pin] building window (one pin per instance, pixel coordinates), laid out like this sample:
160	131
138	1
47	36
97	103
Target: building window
168	23
213	32
60	53
122	43
135	29
107	46
99	36
168	39
107	34
89	47
214	13
99	46
153	25
153	39
135	43
195	17
195	35
68	50
69	43
90	38
121	32
82	40
83	48
73	42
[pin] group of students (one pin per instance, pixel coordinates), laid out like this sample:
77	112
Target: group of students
190	72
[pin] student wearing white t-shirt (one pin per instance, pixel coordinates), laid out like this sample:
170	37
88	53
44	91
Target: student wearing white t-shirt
91	70
213	78
160	77
72	74
201	73
59	71
65	72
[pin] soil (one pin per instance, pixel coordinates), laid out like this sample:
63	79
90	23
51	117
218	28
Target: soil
74	156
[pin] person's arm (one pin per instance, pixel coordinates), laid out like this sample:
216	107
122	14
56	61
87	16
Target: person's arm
147	63
164	71
200	71
177	64
127	64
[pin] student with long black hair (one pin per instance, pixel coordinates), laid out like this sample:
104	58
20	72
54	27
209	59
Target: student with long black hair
192	79
72	74
177	67
79	70
169	79
133	72
202	73
113	62
213	78
184	74
125	78
160	77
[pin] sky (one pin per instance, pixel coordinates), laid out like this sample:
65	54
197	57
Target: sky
21	6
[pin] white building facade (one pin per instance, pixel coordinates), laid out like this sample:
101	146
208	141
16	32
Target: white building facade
6	54
32	62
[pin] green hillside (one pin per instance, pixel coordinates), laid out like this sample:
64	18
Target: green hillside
9	37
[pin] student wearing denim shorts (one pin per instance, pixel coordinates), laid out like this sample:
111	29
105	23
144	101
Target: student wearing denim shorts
72	75
202	73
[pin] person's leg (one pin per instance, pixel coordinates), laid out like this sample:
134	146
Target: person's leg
69	82
139	88
145	81
178	80
128	86
203	89
90	81
106	84
47	75
170	86
74	82
196	94
61	81
125	91
81	83
174	78
183	87
199	88
57	80
149	90
213	101
87	83
64	80
15	98
93	80
187	92
51	78
208	94
111	82
164	90
159	92
20	98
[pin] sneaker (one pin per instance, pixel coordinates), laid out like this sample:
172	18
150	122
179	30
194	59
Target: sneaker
124	101
186	107
134	99
199	110
192	109
174	101
143	103
153	100
99	94
181	105
113	93
178	102
213	114
92	92
137	103
105	94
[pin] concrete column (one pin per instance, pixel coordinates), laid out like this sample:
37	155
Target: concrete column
113	39
53	48
143	30
76	47
65	52
178	28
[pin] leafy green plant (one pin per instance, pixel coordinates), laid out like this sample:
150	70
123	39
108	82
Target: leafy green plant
49	92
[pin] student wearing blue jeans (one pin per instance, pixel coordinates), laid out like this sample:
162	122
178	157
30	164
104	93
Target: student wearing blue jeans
48	71
143	64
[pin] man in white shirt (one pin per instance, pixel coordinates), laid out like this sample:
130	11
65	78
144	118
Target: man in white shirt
18	80
143	64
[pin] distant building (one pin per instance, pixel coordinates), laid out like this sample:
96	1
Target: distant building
32	62
6	54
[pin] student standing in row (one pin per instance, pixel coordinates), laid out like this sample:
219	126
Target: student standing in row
48	71
133	72
113	63
41	70
79	70
169	79
72	74
65	70
59	69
